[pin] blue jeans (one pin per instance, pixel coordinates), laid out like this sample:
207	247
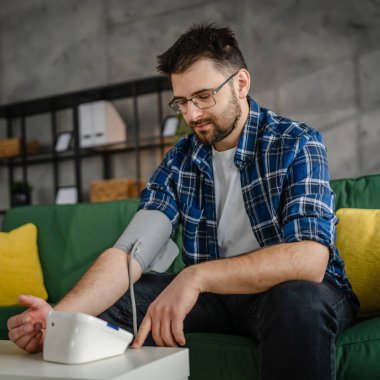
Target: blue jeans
295	324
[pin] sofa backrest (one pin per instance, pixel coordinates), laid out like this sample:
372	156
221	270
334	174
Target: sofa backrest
70	237
362	192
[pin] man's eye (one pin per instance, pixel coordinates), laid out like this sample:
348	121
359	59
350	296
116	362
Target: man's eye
181	102
203	96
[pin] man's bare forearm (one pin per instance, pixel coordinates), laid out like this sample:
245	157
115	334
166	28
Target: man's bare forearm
259	271
102	285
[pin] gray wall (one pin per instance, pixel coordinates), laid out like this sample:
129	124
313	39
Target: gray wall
315	61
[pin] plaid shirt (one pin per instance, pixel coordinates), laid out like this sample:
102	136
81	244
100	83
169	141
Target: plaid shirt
285	185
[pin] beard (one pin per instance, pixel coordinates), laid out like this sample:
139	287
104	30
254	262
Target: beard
221	126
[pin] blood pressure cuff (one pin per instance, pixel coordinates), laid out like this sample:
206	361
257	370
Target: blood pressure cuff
153	229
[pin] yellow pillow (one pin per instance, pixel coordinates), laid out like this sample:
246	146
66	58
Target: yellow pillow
358	241
20	268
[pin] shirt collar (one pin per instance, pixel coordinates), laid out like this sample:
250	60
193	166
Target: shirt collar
247	144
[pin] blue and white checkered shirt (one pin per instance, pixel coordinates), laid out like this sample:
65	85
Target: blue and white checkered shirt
285	185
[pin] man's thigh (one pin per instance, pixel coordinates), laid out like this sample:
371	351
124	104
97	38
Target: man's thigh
295	325
211	313
146	290
292	302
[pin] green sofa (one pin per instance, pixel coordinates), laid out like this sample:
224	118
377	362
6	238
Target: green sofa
70	237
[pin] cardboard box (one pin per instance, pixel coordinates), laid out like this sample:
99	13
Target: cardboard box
12	147
114	189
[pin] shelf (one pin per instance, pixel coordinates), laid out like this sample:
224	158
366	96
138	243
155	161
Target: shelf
59	102
129	146
149	142
16	114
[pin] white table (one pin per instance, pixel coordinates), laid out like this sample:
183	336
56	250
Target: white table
146	363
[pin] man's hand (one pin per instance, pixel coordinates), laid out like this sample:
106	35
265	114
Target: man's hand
166	314
27	330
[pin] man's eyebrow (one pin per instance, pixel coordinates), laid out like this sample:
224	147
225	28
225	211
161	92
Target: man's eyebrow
194	93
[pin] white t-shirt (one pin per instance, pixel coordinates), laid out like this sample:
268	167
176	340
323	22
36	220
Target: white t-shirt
234	231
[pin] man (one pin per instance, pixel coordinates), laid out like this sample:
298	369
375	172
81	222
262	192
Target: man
252	192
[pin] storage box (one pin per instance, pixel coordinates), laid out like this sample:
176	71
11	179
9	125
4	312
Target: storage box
9	147
12	147
135	189
100	124
114	189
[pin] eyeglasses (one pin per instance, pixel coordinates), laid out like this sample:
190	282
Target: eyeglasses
202	100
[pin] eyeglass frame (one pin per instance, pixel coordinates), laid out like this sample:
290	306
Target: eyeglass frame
212	93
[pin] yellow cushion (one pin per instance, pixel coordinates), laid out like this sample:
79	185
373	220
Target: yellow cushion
20	268
358	241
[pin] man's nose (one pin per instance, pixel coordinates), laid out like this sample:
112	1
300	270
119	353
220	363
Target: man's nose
193	112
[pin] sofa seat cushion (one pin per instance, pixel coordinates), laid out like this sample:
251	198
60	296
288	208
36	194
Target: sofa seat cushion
222	357
358	351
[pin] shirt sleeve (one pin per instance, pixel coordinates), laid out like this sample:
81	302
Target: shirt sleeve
308	212
160	192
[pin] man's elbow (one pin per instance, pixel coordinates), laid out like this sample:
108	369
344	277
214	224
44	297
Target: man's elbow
319	277
319	258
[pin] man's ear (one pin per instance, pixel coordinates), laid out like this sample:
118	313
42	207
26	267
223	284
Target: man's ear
244	83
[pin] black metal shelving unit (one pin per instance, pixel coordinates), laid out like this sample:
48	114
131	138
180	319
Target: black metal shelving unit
51	105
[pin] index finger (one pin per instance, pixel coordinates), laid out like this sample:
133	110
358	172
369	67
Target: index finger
143	332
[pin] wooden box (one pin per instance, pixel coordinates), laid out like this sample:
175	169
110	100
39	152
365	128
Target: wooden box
12	147
9	147
114	189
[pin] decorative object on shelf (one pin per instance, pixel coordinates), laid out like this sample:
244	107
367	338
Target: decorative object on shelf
66	195
12	147
183	129
114	189
63	142
100	124
20	194
33	146
170	125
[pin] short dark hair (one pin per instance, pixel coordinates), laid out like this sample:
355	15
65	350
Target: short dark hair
202	41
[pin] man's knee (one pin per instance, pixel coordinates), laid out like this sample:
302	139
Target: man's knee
297	304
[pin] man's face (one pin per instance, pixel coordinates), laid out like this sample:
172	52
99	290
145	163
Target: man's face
211	125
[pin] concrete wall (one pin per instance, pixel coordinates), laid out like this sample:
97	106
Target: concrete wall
315	61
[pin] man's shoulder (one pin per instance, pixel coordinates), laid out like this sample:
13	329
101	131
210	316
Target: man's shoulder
285	128
287	135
